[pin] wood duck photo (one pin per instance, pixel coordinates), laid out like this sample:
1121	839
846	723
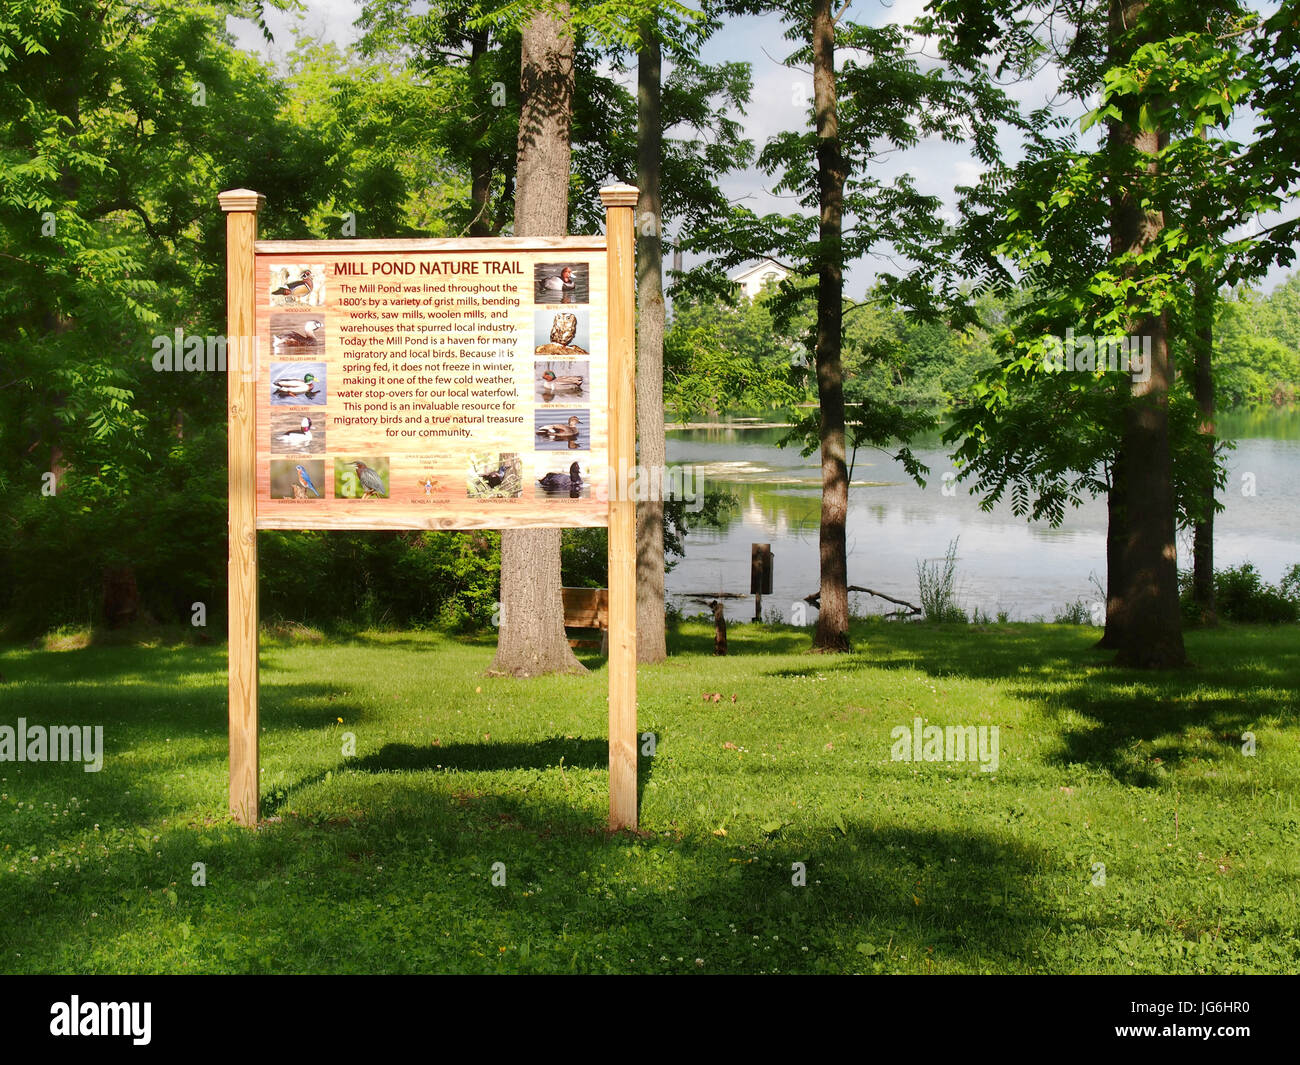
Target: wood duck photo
295	285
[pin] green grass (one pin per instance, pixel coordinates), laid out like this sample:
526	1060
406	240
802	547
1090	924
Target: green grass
383	862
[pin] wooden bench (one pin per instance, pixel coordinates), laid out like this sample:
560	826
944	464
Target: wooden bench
587	608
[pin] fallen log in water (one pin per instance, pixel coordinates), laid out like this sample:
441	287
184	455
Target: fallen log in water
815	598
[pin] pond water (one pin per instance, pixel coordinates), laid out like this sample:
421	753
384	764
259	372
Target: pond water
1004	562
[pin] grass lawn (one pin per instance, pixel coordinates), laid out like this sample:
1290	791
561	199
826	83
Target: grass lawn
383	862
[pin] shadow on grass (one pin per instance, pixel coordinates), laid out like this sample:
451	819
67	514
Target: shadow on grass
487	757
303	895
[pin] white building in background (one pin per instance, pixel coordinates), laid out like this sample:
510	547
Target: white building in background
752	279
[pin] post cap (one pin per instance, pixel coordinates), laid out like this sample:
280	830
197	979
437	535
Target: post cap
241	200
619	195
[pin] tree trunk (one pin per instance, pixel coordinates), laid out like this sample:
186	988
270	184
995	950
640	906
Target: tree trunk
480	161
832	633
1114	579
1204	299
651	645
531	639
1150	636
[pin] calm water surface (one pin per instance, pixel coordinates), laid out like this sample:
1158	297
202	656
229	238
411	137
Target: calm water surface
1005	563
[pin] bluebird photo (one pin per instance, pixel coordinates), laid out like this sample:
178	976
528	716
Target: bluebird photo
301	479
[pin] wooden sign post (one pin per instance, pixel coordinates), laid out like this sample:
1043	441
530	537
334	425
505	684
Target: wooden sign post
431	384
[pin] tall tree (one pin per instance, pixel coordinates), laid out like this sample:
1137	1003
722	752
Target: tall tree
652	449
832	632
1167	72
1150	630
531	640
870	97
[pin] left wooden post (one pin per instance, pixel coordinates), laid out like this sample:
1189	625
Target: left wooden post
241	207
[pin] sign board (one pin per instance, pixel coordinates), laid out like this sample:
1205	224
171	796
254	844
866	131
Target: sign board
431	384
442	384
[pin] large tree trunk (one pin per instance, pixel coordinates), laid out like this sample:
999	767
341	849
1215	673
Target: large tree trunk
531	639
651	645
832	632
1204	298
1115	532
480	163
1151	635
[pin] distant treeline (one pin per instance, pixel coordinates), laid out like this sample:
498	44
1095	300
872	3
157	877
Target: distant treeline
717	355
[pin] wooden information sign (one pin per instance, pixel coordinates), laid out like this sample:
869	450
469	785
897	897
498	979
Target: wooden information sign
430	384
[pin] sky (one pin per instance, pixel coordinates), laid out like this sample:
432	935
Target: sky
779	101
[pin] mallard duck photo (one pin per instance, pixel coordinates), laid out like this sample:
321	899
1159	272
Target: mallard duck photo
556	483
296	384
304	335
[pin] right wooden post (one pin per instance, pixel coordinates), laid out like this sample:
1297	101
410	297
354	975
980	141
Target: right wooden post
620	204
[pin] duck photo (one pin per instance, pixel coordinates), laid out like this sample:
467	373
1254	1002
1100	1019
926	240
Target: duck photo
494	476
562	378
298	285
291	431
289	331
561	282
567	484
297	383
557	430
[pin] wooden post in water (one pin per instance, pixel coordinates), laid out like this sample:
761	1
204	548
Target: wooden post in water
620	204
241	207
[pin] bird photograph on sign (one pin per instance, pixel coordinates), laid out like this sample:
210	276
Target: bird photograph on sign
569	484
363	478
563	429
294	332
565	333
561	283
494	476
562	379
297	478
297	433
298	286
296	383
